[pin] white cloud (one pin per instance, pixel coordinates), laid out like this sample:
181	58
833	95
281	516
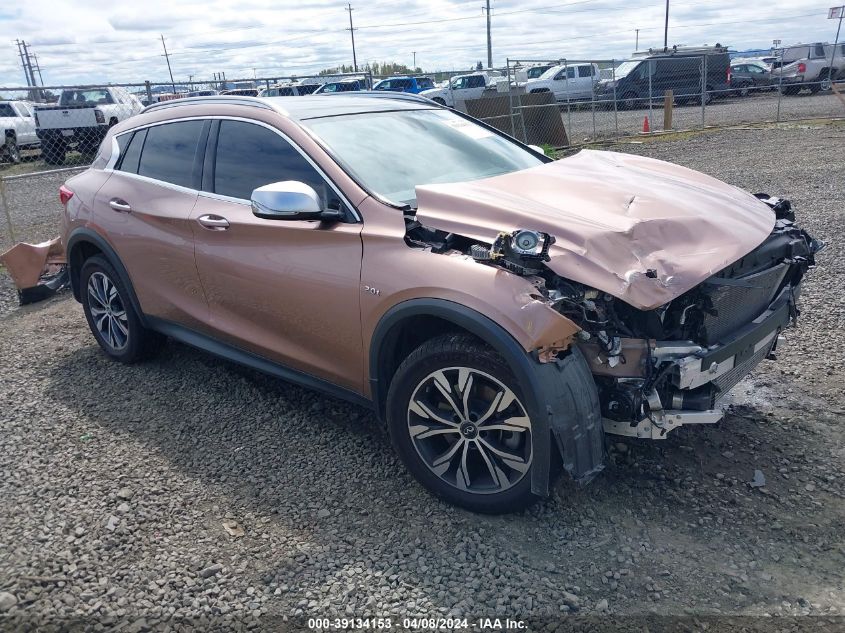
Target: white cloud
78	41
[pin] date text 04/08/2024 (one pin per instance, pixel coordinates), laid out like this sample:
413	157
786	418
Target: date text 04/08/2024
479	624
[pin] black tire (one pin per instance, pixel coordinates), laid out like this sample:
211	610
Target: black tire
138	342
12	151
790	90
630	101
499	485
54	152
744	90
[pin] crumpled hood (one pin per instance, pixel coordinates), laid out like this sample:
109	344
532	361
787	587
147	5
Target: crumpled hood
614	216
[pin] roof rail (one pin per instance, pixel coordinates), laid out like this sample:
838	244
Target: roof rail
212	100
378	94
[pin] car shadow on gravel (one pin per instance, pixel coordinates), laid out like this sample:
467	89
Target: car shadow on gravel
325	472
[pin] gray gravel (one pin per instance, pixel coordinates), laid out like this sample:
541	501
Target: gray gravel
116	482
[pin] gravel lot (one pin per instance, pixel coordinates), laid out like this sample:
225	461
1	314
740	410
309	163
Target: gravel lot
117	483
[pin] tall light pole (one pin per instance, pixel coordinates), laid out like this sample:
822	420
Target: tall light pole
637	41
489	39
415	60
666	28
352	33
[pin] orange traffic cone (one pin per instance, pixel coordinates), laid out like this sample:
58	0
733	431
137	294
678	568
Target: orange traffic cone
646	126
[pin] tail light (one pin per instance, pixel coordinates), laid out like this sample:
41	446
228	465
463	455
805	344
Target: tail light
729	74
99	114
802	67
65	195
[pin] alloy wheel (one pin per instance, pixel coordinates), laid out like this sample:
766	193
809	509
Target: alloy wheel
108	311
470	430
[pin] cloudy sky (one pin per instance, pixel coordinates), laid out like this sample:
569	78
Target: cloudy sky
118	41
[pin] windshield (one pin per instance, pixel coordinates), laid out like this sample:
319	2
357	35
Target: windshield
625	68
390	153
85	97
537	71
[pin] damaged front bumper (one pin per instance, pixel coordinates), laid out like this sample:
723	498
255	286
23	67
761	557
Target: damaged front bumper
650	386
700	377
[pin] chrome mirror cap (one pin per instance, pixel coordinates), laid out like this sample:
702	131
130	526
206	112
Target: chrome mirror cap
286	200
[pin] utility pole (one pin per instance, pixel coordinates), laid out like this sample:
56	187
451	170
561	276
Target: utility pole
832	15
415	60
23	62
38	69
352	33
637	44
489	40
167	57
30	80
28	64
666	29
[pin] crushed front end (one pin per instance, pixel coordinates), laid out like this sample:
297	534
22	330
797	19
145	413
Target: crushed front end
659	369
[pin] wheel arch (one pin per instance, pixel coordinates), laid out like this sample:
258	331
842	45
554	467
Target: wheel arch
580	438
84	243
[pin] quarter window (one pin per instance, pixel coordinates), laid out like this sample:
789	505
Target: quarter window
169	152
130	153
249	156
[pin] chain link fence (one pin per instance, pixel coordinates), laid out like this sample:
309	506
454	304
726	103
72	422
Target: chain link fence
50	132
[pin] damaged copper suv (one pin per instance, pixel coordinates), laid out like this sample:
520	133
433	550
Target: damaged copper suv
499	311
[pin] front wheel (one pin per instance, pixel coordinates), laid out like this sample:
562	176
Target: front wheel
457	419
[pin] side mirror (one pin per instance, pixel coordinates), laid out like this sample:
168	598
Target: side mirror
290	200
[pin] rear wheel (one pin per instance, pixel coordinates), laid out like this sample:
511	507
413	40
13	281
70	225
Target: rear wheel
457	420
110	315
54	152
629	101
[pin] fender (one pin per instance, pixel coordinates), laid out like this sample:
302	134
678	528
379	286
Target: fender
83	235
579	434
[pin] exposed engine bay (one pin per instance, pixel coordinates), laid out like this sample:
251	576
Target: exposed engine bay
661	368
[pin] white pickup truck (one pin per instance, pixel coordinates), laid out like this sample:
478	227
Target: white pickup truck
462	88
808	66
81	120
568	82
18	127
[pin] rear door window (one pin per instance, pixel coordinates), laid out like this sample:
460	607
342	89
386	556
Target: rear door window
169	152
585	71
6	110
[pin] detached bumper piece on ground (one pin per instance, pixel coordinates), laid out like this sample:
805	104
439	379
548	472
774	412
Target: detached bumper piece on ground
38	270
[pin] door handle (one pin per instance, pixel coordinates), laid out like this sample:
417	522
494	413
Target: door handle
213	222
120	205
